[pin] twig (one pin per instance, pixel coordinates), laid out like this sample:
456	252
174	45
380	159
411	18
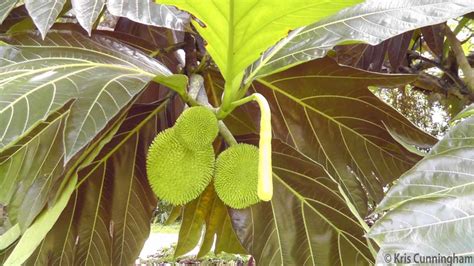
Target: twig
454	78
226	134
168	49
461	59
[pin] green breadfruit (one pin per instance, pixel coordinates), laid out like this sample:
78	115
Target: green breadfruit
178	174
236	176
197	127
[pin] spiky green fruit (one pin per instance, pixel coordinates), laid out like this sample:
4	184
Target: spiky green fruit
197	127
236	176
176	173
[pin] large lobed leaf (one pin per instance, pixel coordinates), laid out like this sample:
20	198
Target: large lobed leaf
41	94
372	22
332	129
107	218
327	113
28	174
431	207
306	223
35	234
38	77
238	31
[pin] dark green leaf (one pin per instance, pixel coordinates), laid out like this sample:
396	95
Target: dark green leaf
108	217
434	38
327	113
29	172
306	223
34	235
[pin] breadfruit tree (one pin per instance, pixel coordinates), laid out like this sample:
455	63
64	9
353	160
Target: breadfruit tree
262	122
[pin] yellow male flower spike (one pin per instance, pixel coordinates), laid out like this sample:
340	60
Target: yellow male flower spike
265	174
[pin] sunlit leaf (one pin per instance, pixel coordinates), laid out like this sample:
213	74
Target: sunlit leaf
431	207
147	12
468	111
372	22
87	12
238	31
44	13
10	236
5	7
101	74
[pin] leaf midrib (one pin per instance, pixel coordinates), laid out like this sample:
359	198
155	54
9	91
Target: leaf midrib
230	43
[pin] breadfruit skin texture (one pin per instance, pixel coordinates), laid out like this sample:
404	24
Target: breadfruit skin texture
236	176
178	174
197	127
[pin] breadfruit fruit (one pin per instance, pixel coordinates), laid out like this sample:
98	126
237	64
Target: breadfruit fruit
197	127
176	173
236	176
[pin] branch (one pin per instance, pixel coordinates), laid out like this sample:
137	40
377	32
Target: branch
454	78
461	59
168	49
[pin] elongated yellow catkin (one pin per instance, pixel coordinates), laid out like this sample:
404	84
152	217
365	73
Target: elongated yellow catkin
236	176
176	173
197	127
265	174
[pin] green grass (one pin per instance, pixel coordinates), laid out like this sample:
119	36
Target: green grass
165	229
